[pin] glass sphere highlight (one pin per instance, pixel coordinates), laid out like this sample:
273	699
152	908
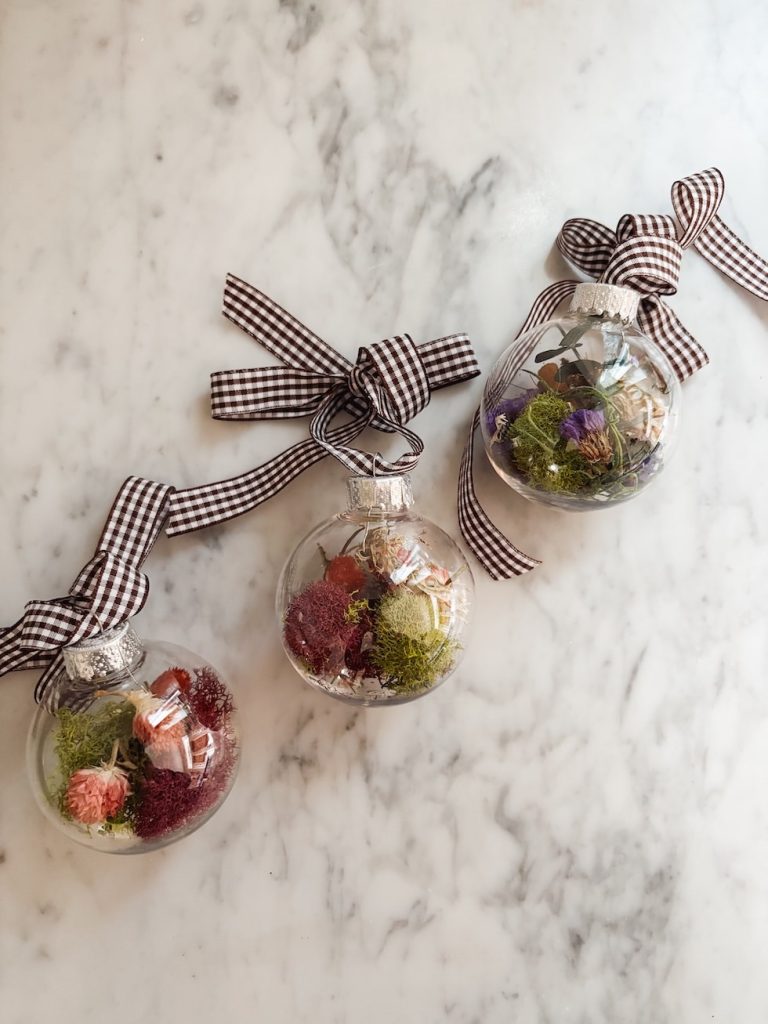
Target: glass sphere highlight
374	603
135	746
580	412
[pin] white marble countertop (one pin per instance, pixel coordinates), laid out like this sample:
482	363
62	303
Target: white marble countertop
574	830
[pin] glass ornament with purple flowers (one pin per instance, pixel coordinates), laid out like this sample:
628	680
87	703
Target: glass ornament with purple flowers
580	412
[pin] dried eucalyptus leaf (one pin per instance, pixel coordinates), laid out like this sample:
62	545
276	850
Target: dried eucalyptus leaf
570	341
550	353
590	369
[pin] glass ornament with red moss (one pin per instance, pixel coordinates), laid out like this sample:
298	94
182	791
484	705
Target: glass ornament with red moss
136	745
374	604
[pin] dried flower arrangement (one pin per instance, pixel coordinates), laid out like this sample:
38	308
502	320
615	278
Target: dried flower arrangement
145	763
584	428
380	620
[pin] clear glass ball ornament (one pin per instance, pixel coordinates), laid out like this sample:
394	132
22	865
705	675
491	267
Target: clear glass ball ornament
374	604
135	744
581	412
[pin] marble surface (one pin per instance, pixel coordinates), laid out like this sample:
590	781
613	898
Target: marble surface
574	830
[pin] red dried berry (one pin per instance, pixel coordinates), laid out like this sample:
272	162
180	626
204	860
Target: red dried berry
345	572
170	680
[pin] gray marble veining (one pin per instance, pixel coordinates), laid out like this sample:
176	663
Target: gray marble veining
574	829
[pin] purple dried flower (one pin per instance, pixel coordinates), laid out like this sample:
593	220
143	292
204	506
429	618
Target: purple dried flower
582	422
510	408
516	406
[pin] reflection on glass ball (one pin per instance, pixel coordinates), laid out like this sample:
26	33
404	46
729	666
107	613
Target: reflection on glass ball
374	604
136	745
580	412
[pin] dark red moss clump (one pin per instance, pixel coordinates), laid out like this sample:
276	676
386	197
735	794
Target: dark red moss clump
210	700
166	802
317	626
360	646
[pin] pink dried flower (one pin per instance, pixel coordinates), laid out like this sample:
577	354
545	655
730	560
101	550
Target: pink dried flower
95	794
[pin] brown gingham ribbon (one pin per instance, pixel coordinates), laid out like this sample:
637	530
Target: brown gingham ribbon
107	591
644	253
390	382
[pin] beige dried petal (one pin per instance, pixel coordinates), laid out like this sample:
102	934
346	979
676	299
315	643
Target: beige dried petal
595	447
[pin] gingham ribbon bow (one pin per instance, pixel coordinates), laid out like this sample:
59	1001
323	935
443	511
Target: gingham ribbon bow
643	253
388	385
107	591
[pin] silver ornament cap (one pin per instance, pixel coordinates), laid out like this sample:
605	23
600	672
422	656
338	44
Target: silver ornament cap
100	656
609	300
379	494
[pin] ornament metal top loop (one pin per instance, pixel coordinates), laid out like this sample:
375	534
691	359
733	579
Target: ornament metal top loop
99	657
381	494
606	300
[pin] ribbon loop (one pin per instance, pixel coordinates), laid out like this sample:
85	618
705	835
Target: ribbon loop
587	245
267	392
398	365
646	225
106	592
47	624
696	201
647	256
390	382
112	588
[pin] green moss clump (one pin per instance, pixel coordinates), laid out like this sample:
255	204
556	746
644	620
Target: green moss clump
410	651
355	611
540	420
562	472
413	663
541	453
85	740
410	613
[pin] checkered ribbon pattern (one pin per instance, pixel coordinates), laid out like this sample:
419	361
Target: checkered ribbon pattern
644	253
390	383
107	591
